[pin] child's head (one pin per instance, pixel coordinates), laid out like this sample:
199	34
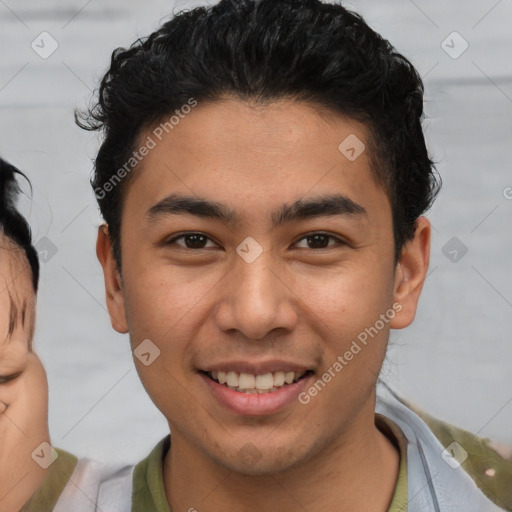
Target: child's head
23	383
19	264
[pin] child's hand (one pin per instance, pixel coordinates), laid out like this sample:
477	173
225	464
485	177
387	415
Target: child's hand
23	402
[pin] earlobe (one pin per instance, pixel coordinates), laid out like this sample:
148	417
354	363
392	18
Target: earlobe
410	274
113	282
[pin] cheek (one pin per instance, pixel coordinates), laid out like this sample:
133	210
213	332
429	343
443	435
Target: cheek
349	298
153	304
162	309
349	310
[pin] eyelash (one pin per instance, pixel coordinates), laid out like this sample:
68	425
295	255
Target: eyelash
183	235
4	379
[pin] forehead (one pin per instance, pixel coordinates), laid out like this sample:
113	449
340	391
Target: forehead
17	299
273	128
235	149
15	271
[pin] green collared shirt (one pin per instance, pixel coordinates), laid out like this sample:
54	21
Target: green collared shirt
489	465
148	485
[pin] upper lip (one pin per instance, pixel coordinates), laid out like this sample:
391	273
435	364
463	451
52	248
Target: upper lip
259	368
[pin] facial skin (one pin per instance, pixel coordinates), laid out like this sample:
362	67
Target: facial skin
23	384
297	302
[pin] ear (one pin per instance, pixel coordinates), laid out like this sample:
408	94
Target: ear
410	274
113	282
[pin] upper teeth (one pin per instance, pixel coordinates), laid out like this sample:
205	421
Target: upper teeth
249	381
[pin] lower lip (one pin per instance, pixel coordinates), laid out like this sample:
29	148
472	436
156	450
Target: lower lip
256	403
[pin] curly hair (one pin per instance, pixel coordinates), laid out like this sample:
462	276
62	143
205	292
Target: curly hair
265	50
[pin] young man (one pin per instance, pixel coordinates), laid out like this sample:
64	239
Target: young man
262	177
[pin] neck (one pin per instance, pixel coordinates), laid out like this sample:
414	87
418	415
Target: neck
357	472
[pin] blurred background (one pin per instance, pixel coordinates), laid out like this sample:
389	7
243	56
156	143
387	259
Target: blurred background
455	361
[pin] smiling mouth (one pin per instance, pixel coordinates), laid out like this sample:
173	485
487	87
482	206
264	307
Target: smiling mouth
251	384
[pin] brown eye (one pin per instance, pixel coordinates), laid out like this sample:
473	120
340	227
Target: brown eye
320	241
192	241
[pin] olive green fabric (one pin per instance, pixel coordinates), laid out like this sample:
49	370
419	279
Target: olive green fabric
148	484
491	471
393	432
59	473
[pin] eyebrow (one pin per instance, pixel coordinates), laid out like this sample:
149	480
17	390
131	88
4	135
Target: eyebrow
323	206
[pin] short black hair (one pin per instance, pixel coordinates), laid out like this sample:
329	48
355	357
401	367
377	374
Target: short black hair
12	223
264	51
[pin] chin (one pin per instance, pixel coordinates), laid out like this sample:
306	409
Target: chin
250	460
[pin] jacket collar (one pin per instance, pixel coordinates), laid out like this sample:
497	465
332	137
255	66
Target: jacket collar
436	481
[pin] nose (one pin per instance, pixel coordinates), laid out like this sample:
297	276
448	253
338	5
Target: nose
257	299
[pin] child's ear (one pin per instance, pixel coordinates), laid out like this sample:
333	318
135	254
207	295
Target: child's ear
410	274
113	281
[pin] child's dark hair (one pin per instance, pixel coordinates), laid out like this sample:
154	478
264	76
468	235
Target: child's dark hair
265	50
12	224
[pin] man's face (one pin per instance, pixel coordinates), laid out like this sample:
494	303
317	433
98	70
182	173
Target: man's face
258	296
